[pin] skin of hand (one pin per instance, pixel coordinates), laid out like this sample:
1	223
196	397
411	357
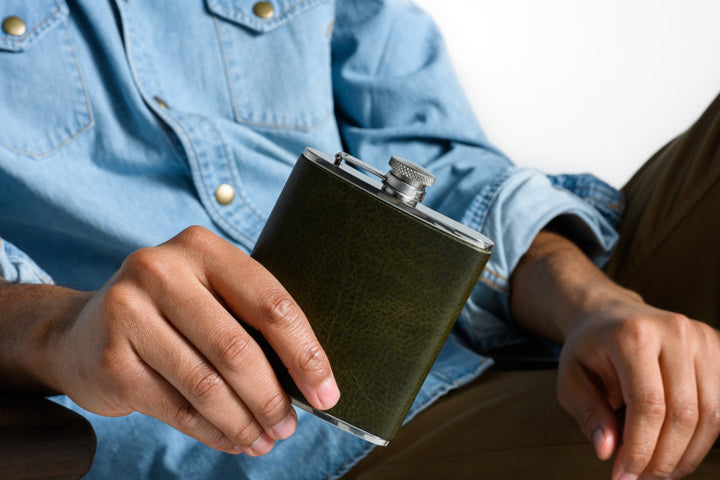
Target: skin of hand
618	351
159	338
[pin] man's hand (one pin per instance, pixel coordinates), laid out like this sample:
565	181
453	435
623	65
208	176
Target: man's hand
619	351
159	338
663	368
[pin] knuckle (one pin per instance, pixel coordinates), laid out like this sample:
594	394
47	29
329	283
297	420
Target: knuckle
233	350
120	304
196	237
686	467
684	413
205	385
218	440
274	407
148	265
312	360
586	416
711	416
632	334
661	469
708	335
278	309
186	417
638	458
649	403
246	434
680	325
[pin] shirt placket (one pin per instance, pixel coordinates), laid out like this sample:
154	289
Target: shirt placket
210	158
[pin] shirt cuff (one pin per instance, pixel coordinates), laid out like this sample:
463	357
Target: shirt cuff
17	267
511	211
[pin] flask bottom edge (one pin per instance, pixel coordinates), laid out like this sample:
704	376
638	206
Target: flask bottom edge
341	424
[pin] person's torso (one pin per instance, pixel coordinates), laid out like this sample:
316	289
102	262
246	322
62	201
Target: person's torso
120	120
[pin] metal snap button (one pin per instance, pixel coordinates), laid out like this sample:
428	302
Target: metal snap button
14	26
263	9
224	194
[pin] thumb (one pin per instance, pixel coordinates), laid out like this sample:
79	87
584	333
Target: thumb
587	402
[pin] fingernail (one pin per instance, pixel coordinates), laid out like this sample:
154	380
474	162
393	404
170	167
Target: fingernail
262	445
598	438
628	476
285	428
328	393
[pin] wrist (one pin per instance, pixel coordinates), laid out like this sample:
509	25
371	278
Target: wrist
555	287
34	322
594	297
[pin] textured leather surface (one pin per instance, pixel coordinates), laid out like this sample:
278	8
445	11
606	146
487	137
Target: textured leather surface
380	288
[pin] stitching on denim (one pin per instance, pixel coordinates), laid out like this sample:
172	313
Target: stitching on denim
494	285
228	80
495	273
184	136
88	106
228	158
36	31
286	126
240	118
254	23
480	207
602	197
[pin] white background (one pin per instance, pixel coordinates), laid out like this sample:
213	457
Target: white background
581	85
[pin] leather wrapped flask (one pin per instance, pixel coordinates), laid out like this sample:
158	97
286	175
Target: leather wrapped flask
380	277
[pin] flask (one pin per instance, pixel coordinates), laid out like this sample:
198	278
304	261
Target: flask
380	277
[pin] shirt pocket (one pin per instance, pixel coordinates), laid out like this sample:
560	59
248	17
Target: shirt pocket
43	100
278	68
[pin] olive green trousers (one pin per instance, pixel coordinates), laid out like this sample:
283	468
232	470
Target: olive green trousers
509	425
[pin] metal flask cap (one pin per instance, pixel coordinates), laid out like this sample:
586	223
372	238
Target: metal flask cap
406	180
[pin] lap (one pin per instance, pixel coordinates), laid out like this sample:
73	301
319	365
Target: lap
503	425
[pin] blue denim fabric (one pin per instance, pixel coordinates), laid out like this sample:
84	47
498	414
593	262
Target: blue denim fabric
119	119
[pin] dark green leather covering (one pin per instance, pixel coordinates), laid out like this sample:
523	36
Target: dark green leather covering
381	289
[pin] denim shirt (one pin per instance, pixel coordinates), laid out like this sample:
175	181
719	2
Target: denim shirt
119	120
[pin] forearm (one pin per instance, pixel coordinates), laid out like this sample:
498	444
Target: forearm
31	318
555	283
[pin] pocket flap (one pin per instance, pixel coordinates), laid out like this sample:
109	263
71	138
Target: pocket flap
243	12
38	16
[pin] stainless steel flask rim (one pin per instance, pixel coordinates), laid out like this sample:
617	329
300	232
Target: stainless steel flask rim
402	188
341	424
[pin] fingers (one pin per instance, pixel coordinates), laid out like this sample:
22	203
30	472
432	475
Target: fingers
671	399
642	385
205	393
681	417
234	356
261	301
587	403
160	400
708	393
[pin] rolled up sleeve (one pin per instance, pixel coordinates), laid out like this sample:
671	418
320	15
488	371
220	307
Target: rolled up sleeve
512	210
18	267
